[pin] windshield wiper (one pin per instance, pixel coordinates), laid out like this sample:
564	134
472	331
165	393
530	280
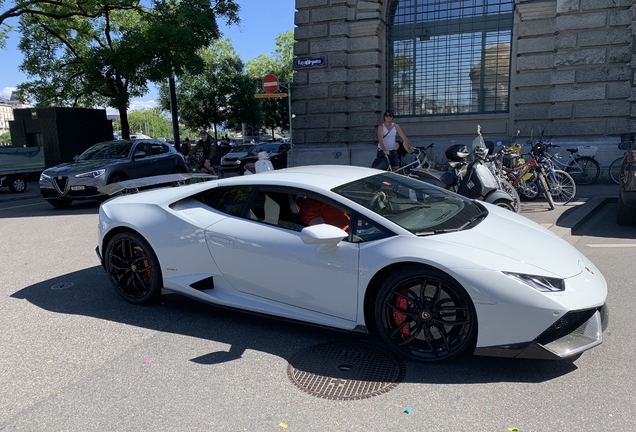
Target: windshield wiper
470	221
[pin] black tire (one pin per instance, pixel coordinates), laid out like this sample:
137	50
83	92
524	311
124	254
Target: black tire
562	187
60	202
505	204
17	183
424	315
117	178
615	170
133	268
545	190
528	190
625	215
588	172
507	187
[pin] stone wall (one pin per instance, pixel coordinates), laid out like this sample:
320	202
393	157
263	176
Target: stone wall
572	76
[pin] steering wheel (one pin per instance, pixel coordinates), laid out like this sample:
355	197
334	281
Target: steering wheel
376	199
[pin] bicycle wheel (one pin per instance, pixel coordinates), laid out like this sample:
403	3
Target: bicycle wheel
584	170
562	186
615	170
506	186
545	190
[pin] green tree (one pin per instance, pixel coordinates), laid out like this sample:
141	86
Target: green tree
275	112
209	99
149	121
5	138
106	56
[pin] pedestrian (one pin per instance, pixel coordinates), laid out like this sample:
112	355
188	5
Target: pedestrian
203	154
387	146
185	147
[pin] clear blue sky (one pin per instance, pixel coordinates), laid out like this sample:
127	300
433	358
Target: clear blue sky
261	22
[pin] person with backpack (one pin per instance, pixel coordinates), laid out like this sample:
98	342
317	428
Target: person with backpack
203	153
387	146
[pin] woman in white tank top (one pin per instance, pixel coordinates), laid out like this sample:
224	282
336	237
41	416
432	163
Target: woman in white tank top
387	146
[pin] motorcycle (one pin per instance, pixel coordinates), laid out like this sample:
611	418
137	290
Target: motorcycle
469	176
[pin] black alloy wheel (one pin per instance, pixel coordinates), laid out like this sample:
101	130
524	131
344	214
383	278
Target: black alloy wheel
133	268
424	315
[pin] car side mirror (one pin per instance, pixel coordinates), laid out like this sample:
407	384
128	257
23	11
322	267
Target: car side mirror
139	154
624	145
326	235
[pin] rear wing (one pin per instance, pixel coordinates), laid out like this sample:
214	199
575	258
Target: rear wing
145	183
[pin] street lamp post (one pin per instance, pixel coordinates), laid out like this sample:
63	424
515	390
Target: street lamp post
291	116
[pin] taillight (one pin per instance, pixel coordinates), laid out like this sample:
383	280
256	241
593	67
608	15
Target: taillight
631	156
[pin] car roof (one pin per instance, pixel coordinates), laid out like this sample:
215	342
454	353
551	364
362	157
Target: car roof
315	177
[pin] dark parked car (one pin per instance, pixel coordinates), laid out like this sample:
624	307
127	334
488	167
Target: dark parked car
105	163
277	155
627	194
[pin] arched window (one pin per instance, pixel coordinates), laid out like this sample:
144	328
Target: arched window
449	57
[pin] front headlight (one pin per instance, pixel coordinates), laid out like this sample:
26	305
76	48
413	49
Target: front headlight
540	283
44	176
92	174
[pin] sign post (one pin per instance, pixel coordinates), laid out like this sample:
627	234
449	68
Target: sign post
270	83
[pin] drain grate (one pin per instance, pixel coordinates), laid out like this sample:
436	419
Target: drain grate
346	371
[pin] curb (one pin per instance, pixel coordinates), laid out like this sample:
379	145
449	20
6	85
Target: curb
581	215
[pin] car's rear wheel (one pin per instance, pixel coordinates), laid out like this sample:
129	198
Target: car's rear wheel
423	314
133	268
60	202
17	183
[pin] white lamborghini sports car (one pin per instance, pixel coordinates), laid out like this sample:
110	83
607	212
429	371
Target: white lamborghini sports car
431	274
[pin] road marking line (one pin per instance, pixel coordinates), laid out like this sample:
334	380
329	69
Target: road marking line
26	205
615	245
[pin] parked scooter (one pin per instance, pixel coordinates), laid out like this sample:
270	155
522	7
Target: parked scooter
469	176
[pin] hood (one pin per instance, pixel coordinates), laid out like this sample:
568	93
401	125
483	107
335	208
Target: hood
516	242
71	168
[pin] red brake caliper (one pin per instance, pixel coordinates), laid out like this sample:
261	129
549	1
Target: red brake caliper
402	304
146	264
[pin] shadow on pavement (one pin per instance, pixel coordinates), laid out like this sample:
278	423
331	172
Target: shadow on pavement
92	296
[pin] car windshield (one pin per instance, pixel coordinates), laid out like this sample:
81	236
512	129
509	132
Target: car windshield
107	150
263	147
242	148
412	204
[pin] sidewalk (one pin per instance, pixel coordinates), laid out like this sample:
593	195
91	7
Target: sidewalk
562	220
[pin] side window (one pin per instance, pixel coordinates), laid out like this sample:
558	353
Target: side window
363	230
144	147
228	200
275	207
158	149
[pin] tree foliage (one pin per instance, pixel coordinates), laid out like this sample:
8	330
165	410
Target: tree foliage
106	51
275	112
213	97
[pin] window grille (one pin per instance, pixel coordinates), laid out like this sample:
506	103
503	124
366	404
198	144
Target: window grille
449	57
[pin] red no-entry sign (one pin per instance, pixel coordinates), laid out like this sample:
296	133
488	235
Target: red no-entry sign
270	83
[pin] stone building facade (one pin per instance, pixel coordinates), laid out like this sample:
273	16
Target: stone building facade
572	76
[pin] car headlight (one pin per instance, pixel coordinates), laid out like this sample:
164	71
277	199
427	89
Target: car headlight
91	174
540	283
44	176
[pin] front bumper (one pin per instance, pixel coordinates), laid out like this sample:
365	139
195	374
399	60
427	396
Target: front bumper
571	335
64	187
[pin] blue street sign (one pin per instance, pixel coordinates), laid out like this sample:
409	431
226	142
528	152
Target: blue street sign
309	62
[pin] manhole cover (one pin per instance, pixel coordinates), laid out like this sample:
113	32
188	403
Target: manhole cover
62	286
345	371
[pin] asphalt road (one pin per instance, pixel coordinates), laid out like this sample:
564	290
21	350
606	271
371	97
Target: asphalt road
74	356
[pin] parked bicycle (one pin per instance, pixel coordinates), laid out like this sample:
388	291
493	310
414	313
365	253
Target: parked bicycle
562	185
580	163
615	169
537	175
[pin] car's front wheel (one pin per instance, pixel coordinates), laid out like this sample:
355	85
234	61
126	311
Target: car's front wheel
133	268
425	315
